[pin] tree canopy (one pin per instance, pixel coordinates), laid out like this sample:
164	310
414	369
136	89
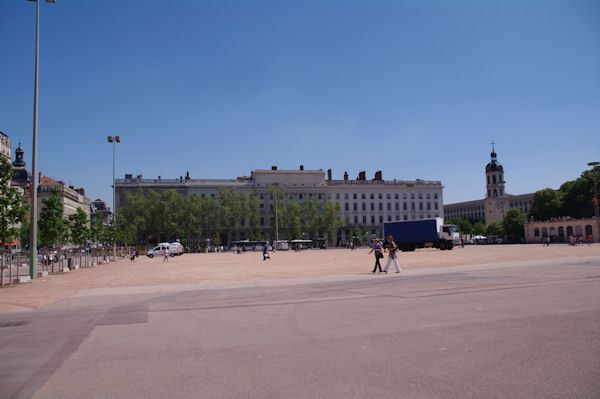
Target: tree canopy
513	225
79	232
52	226
572	199
495	229
152	217
12	208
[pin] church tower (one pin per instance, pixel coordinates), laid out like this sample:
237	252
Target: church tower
494	174
496	204
22	176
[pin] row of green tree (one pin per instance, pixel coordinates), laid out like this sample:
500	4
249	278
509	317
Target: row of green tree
572	199
53	229
148	216
511	227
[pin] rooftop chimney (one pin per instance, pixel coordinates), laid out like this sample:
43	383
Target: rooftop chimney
378	175
329	174
362	175
345	175
81	191
273	167
301	167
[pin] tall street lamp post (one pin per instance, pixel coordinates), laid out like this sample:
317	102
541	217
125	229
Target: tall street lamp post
595	189
114	140
34	177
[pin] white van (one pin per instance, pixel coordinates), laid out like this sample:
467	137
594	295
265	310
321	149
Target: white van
171	245
178	246
159	250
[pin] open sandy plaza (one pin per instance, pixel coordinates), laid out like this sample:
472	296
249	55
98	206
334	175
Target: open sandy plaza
210	269
508	321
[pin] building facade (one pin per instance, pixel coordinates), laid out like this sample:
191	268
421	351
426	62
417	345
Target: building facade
561	229
100	209
496	203
70	197
365	204
5	146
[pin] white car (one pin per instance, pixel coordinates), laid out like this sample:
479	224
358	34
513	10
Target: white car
159	250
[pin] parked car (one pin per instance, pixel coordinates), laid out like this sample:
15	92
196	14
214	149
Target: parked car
494	240
159	250
178	246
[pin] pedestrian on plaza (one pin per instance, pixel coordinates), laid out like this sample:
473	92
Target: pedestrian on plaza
132	256
137	253
378	248
166	258
391	247
265	253
462	242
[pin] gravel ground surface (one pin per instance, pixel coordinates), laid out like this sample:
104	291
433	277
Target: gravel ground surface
227	267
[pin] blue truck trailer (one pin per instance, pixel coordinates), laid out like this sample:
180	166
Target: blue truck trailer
411	234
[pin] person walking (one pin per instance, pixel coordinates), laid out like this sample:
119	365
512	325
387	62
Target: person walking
265	253
378	248
392	255
166	258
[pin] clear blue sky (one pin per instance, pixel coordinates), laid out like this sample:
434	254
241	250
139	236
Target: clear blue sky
415	89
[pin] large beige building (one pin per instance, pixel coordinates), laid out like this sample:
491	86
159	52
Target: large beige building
365	203
70	197
496	203
5	146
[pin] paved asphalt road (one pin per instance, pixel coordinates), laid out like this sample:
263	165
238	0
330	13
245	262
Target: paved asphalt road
528	330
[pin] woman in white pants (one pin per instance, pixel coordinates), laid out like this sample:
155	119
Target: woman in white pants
392	255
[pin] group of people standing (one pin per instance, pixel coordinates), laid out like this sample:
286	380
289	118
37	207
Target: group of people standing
392	256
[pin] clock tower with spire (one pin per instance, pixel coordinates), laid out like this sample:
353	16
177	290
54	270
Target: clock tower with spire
496	203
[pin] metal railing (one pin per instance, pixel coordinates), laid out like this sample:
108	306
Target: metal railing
16	264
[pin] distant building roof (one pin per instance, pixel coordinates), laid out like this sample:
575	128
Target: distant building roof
46	181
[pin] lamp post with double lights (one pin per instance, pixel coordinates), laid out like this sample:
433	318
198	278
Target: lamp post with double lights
114	140
34	177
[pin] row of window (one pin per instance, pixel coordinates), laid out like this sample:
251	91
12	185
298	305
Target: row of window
560	232
389	206
372	219
389	196
389	218
320	196
494	179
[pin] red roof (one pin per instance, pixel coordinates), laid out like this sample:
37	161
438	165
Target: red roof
46	181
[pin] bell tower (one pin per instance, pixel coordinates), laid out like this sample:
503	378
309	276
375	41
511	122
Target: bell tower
21	177
496	203
494	174
19	162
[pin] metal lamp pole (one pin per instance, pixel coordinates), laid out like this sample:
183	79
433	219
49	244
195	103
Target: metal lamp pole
276	221
114	140
595	188
34	177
